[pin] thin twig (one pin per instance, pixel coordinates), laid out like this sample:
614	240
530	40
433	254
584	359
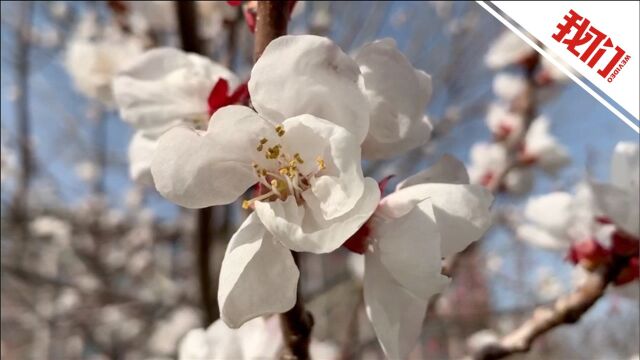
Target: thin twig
567	309
21	197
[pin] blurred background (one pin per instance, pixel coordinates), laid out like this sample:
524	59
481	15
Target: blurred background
95	266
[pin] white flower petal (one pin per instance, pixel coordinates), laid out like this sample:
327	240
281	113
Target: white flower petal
551	155
167	84
508	86
552	211
258	275
538	236
309	74
504	123
305	230
194	346
625	166
93	60
141	149
260	338
462	211
507	49
398	95
618	205
448	170
396	314
409	248
342	186
486	158
216	342
196	170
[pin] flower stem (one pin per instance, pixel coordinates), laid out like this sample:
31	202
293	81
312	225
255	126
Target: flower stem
297	324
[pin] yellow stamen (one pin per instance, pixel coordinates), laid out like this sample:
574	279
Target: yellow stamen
298	158
273	152
321	163
246	204
280	130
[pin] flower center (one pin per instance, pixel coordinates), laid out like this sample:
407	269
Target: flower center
283	177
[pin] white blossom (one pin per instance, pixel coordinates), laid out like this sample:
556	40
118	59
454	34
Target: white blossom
258	339
162	88
410	232
489	160
504	124
49	226
310	75
508	86
167	335
87	171
93	56
619	199
506	50
542	148
398	95
557	219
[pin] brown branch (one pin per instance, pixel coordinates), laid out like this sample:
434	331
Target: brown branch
21	197
271	22
567	309
188	25
297	323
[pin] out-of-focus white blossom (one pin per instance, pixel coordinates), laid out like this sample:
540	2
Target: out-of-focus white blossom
619	200
94	55
559	218
489	160
162	88
542	148
508	86
49	226
87	171
506	50
258	339
504	125
166	337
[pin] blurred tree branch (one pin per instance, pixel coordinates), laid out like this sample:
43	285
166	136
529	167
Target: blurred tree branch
188	28
21	196
567	309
